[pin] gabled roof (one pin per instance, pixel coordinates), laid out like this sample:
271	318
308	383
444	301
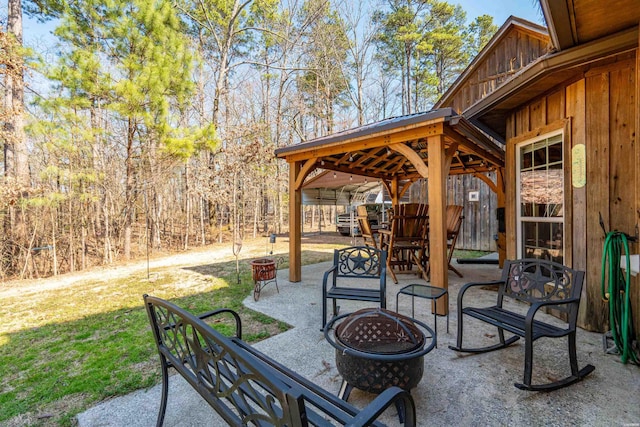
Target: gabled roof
544	74
584	34
512	24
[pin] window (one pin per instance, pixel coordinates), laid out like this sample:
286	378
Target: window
540	199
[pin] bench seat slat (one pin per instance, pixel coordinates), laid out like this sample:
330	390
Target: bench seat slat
358	294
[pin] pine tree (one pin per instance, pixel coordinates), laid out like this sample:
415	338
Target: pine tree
130	63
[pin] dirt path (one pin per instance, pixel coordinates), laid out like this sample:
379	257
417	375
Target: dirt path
218	252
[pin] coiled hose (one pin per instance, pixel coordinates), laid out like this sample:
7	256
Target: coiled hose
618	295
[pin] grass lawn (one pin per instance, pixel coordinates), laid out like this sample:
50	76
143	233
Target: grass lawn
64	349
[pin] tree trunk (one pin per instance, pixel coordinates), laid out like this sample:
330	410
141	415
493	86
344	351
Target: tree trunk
54	247
256	212
15	147
203	236
108	256
128	192
187	208
408	77
16	168
72	246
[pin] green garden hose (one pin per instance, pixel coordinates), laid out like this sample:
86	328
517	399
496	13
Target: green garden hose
618	295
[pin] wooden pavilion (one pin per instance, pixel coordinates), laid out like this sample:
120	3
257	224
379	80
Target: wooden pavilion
398	152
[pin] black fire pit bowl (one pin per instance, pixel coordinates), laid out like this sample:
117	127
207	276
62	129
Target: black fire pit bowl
377	349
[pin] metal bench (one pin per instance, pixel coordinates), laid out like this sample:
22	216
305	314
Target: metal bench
245	386
358	273
542	284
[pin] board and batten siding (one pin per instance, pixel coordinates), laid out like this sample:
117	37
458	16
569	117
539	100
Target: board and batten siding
517	48
479	226
600	111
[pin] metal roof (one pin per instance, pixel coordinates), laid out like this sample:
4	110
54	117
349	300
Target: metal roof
397	148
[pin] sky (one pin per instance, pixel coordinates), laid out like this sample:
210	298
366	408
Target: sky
502	9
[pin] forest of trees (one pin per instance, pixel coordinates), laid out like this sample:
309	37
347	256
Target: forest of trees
154	122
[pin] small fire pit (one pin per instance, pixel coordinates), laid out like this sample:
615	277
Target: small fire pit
377	349
264	272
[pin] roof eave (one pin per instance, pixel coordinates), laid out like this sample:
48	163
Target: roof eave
369	131
561	27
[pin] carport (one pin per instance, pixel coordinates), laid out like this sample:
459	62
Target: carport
397	152
338	188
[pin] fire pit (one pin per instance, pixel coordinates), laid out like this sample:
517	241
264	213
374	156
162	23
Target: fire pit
377	349
264	272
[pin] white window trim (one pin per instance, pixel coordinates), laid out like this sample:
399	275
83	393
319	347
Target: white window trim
519	217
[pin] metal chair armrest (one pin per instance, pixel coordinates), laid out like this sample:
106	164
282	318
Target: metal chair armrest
475	284
238	333
325	277
535	307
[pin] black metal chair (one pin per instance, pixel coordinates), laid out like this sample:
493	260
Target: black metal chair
358	273
544	285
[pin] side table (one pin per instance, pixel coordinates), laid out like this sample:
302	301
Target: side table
428	292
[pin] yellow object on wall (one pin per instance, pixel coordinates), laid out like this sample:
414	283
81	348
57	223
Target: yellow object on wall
578	166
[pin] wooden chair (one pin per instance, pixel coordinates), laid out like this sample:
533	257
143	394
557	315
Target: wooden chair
405	241
369	235
454	222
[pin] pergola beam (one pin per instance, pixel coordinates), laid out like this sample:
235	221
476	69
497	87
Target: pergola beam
354	145
413	157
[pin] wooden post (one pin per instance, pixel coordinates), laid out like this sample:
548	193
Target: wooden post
395	200
295	221
439	268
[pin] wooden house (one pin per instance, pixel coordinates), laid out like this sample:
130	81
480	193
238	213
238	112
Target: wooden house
547	118
569	120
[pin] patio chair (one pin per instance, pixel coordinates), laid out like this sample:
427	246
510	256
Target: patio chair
405	242
369	235
358	273
543	286
454	222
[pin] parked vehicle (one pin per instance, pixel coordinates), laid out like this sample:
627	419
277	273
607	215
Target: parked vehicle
347	223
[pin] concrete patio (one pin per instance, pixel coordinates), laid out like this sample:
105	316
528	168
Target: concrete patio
456	389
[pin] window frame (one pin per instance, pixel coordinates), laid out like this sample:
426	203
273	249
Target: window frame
522	219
